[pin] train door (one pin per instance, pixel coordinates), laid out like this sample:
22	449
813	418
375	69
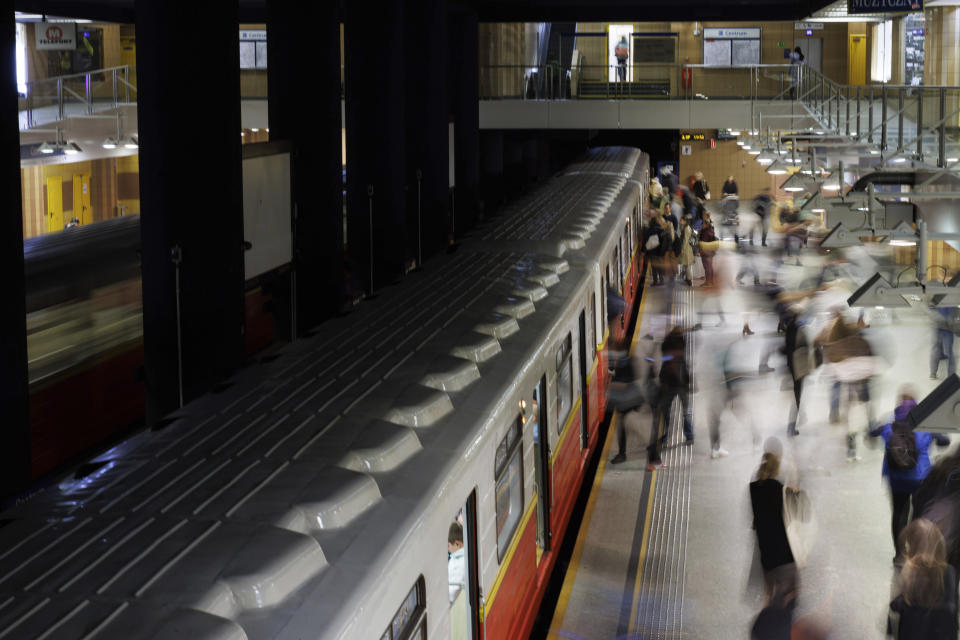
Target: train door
81	198
535	415
462	573
584	427
54	204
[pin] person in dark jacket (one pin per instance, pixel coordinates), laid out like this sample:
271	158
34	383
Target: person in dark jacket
766	500
938	499
927	604
669	180
903	482
674	383
729	187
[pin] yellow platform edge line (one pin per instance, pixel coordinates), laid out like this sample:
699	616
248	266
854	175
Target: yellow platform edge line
560	612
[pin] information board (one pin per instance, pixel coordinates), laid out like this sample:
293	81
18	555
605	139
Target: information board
717	53
654	49
746	52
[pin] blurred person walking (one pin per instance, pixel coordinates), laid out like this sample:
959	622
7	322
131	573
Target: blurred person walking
761	206
709	245
622	52
633	386
946	323
674	380
927	604
685	255
938	499
701	191
906	462
766	501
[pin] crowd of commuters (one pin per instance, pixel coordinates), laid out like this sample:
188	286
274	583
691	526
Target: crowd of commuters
816	332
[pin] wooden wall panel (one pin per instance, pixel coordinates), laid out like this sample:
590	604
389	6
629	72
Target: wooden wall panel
727	159
34	207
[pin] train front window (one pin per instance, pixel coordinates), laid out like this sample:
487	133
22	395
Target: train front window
508	471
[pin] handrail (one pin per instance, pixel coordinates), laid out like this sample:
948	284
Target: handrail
82	74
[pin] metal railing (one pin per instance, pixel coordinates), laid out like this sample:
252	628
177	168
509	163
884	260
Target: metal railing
641	81
902	122
79	93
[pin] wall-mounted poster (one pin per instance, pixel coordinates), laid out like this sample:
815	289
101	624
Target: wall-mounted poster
717	53
723	47
654	49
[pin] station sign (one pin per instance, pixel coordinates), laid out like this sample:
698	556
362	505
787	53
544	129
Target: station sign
725	33
808	26
253	34
686	136
883	6
56	35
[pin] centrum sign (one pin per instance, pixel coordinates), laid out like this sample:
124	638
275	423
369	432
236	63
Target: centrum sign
56	35
883	6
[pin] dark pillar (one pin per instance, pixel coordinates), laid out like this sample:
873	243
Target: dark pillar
310	118
14	390
465	97
427	124
492	167
190	197
374	67
513	170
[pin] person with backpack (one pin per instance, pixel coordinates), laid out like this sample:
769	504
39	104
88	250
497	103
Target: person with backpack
622	52
906	462
674	383
686	242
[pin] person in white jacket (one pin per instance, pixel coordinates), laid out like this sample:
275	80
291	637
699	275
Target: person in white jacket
456	562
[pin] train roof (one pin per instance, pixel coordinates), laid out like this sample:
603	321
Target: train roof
294	481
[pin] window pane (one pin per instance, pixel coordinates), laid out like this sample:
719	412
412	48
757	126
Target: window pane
509	503
261	55
248	55
564	392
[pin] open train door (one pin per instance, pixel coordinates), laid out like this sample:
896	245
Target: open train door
463	572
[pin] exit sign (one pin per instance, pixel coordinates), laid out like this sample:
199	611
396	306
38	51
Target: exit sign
686	136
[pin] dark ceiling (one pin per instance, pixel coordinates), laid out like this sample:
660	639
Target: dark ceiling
500	10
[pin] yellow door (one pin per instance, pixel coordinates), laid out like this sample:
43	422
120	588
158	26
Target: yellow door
857	59
81	198
54	204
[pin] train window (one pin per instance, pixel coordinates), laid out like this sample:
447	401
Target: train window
409	622
508	471
564	381
593	324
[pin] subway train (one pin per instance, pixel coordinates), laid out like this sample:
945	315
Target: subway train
406	472
85	336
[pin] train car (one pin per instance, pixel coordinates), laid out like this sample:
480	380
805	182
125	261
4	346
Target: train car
320	495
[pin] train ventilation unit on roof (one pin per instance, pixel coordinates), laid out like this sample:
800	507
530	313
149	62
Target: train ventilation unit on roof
419	406
448	373
476	347
381	447
515	307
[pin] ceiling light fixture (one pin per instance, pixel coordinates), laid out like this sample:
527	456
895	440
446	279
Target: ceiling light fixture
777	168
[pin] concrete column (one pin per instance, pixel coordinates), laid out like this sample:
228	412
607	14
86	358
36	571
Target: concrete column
464	102
376	139
304	108
189	197
941	64
427	127
491	145
14	390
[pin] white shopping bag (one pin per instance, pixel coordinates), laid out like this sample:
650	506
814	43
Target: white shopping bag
800	523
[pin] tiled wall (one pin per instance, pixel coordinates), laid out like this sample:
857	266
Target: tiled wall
727	159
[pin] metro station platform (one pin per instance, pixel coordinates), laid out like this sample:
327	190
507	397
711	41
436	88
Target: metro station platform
671	553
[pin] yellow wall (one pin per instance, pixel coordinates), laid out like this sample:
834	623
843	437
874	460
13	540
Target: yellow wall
112	182
728	159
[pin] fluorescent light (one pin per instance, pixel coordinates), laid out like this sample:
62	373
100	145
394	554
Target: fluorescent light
734	133
898	160
953	159
903	243
71	149
753	152
818	210
777	169
109	143
130	143
45	147
878	307
254	129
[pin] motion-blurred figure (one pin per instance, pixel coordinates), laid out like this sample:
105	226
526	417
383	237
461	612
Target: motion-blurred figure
761	206
766	500
927	604
849	360
906	462
674	383
633	386
736	376
938	499
946	323
685	257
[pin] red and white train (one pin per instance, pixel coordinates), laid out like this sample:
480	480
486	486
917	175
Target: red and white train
316	495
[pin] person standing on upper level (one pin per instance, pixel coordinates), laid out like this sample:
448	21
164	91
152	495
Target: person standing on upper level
622	52
796	59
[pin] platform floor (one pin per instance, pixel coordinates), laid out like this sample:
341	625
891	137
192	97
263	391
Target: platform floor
669	553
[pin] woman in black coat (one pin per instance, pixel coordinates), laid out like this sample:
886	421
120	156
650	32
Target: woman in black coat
776	558
927	604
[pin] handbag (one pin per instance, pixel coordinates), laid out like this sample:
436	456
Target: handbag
800	523
652	242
